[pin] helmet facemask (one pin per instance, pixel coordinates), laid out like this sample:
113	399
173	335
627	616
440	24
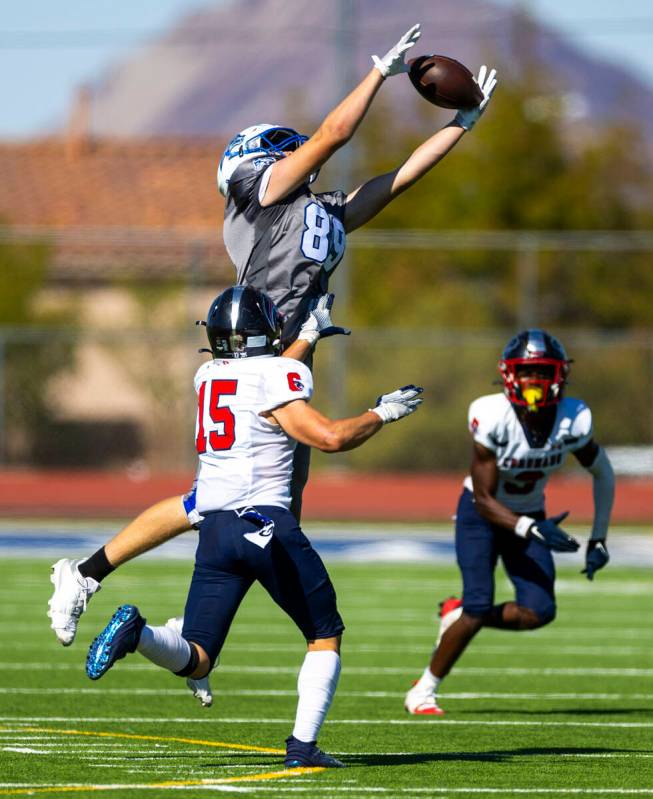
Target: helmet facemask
263	140
534	383
534	368
279	141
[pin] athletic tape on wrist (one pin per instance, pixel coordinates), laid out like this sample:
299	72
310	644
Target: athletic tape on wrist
311	336
523	525
381	412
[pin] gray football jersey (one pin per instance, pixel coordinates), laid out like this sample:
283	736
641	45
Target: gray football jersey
289	249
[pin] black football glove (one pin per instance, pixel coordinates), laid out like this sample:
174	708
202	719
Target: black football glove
596	557
552	536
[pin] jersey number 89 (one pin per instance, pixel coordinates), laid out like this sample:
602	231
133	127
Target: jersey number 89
321	230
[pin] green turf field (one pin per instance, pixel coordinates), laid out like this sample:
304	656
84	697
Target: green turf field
567	710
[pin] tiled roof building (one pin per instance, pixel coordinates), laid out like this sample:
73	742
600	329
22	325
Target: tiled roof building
155	183
120	215
115	205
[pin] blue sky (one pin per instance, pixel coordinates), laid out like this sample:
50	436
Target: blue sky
47	48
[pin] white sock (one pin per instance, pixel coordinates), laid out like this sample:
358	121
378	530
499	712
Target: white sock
429	681
165	647
316	685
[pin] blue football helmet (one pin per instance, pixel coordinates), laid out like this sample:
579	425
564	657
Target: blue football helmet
534	367
263	139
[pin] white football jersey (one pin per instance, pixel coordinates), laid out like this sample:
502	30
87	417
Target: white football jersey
524	470
244	459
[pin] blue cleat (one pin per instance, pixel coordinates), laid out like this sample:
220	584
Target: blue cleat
120	636
301	755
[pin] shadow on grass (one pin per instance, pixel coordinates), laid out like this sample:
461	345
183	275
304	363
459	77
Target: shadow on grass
416	758
501	756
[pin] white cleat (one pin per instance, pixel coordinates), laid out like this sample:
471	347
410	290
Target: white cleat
201	688
422	702
201	691
451	610
70	598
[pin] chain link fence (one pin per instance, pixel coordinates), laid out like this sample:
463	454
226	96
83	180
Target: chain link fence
126	401
111	387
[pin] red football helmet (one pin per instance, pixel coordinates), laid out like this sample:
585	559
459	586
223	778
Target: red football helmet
534	368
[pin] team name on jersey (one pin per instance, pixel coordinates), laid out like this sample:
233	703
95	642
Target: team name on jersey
532	463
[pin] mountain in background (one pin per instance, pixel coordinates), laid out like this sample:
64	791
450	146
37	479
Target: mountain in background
234	64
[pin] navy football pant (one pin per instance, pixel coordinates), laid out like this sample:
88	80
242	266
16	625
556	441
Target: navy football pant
227	563
528	563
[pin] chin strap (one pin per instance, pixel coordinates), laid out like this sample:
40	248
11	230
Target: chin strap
603	492
202	323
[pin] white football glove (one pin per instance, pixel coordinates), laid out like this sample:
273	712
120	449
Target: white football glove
399	403
318	323
468	117
393	62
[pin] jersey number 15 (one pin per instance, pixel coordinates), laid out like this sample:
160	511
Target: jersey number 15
219	415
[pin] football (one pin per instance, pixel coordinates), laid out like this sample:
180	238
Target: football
444	81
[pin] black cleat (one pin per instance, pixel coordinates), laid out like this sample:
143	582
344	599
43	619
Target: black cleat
304	755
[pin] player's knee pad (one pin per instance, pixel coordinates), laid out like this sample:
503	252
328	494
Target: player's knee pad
190	667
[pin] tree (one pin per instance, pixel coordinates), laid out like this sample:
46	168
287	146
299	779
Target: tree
520	169
440	318
34	349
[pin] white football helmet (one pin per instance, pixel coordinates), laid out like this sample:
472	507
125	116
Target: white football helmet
272	140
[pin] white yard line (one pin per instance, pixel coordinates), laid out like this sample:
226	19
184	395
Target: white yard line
119	751
552	633
360	631
544	696
365	670
256	720
529	645
280	787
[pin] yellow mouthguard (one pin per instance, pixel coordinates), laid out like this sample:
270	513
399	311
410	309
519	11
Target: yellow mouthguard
532	396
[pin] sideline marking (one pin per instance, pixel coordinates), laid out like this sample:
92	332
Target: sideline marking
132	736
